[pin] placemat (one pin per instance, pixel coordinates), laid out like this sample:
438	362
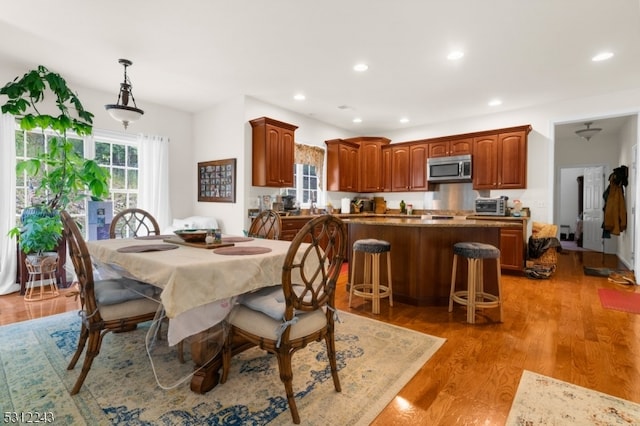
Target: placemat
146	247
204	245
241	251
236	239
152	237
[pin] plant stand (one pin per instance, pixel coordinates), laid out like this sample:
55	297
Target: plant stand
42	283
22	273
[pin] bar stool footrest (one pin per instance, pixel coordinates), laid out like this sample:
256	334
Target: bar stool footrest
483	300
366	290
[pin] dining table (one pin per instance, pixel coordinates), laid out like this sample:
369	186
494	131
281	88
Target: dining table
198	283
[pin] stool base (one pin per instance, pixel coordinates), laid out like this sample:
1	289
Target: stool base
371	289
474	297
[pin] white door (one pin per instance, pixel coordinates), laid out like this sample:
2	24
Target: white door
593	203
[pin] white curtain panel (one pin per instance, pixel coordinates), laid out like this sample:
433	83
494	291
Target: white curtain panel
153	180
8	257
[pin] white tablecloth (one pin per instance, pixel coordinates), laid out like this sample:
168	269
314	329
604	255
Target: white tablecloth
197	284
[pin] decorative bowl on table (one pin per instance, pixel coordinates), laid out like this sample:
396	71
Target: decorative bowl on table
192	235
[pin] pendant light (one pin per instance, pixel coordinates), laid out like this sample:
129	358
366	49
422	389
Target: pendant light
589	132
121	111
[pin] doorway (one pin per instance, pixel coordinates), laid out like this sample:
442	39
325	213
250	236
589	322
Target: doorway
580	206
613	146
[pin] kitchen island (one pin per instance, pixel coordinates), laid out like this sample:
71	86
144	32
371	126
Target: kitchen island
422	253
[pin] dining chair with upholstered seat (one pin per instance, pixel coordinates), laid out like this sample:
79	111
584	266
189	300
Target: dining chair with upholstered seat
284	318
266	225
133	223
107	305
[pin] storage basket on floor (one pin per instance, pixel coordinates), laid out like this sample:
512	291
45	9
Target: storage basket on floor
543	236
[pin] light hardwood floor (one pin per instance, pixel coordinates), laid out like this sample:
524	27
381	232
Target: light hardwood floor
554	327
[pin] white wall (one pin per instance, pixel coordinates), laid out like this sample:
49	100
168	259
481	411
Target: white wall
629	140
218	135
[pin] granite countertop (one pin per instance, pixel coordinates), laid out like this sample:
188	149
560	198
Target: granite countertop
382	220
398	219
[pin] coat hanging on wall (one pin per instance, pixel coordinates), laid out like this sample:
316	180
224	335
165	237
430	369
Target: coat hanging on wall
615	210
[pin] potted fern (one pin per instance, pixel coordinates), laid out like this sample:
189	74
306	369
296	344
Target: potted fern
65	177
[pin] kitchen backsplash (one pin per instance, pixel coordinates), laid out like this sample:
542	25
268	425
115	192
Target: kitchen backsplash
451	196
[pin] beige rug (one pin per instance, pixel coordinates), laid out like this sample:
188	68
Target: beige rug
375	360
542	400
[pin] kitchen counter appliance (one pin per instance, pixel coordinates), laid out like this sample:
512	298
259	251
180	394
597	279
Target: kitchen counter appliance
449	169
491	206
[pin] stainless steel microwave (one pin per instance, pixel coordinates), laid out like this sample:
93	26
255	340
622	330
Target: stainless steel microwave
449	169
491	206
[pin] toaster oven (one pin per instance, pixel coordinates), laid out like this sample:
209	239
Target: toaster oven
491	206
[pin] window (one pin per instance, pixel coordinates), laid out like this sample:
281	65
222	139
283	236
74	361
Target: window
122	161
28	144
307	174
116	152
306	184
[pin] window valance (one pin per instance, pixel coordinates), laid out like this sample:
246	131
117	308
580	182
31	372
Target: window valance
313	155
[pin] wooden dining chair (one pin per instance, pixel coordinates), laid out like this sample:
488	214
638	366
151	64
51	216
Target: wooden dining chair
266	225
107	305
283	319
133	223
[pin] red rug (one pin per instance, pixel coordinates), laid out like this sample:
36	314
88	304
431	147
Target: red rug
620	300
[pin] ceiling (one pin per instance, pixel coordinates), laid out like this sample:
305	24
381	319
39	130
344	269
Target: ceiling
195	54
611	128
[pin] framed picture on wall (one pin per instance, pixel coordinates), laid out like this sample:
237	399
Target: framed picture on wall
217	181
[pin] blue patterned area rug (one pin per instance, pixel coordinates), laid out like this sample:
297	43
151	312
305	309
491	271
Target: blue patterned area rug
542	400
375	361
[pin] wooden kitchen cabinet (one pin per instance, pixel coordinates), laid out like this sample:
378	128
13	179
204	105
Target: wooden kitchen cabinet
409	167
387	176
273	152
355	164
500	159
291	226
512	253
418	154
370	160
446	148
513	250
343	164
400	167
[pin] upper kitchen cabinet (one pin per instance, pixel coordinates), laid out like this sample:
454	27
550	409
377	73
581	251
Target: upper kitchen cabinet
371	168
342	165
387	175
355	164
500	159
446	148
409	167
273	152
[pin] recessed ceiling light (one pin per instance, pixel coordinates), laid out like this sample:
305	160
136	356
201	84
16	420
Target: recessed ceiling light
603	56
299	97
360	67
495	102
456	54
404	120
357	120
